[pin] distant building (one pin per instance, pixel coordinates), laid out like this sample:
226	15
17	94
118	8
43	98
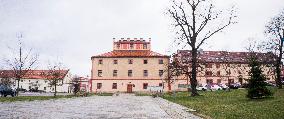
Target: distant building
84	84
223	67
130	67
37	80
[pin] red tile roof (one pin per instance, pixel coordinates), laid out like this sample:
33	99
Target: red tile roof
130	53
224	56
32	74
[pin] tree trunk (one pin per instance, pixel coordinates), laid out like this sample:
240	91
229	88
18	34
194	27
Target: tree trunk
55	88
18	83
17	91
278	66
193	80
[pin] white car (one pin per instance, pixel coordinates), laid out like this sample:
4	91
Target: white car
223	86
201	87
215	87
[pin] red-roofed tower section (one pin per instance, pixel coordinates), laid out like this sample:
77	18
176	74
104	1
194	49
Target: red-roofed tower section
131	44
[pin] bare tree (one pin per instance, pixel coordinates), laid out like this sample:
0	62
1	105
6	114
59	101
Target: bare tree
22	62
180	67
55	75
275	31
196	21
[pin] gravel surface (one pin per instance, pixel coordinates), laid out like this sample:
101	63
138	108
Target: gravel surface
96	107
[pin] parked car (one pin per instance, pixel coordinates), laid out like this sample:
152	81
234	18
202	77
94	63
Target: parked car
235	86
7	90
270	83
22	89
215	87
201	87
245	85
223	86
36	90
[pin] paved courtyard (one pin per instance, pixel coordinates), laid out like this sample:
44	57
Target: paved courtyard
101	107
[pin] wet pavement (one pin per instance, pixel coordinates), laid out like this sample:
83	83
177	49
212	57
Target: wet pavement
95	107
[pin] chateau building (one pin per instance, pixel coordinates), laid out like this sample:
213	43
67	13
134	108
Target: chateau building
130	67
38	80
223	67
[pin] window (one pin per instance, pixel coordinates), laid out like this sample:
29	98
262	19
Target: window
219	81
228	72
117	46
130	61
160	84
21	80
145	73
99	85
114	73
161	73
208	73
218	66
100	61
144	46
145	85
131	46
230	81
145	61
129	73
239	72
30	87
114	61
218	73
161	61
114	86
208	65
45	81
29	80
209	81
100	73
44	88
36	81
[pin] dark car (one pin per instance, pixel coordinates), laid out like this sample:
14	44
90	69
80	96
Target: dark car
270	83
245	85
7	90
22	90
36	90
234	86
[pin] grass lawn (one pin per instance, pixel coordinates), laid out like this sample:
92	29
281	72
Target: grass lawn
31	98
233	104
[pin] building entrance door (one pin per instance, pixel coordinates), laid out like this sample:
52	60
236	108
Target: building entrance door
129	88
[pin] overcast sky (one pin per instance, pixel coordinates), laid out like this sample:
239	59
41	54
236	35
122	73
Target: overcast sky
71	31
